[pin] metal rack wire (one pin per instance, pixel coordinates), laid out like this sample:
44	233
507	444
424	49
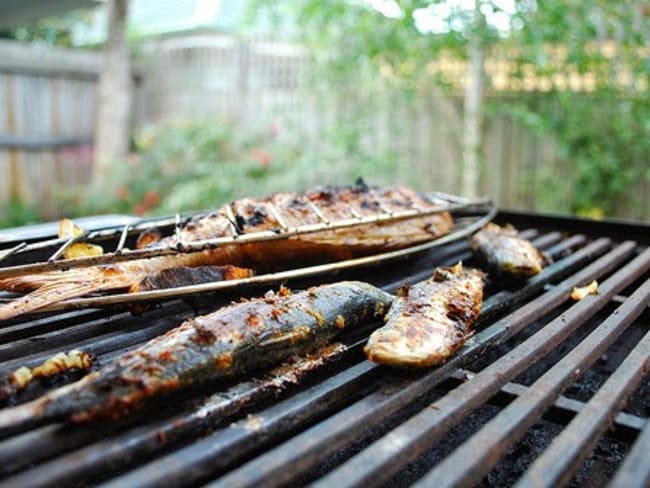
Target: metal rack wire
481	211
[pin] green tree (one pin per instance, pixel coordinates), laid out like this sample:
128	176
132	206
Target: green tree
54	31
602	130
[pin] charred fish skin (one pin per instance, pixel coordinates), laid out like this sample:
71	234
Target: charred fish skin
249	215
431	321
230	342
185	276
506	253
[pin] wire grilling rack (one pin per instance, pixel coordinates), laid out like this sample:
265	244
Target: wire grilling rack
46	255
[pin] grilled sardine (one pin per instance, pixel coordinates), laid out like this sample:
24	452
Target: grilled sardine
431	321
505	252
252	215
230	342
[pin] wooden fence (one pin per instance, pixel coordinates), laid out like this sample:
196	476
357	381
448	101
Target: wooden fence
49	94
47	101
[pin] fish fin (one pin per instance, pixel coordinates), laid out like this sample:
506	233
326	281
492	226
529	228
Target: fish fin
51	288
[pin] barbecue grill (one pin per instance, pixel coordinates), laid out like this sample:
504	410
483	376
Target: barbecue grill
547	392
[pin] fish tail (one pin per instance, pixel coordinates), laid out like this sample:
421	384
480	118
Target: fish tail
50	288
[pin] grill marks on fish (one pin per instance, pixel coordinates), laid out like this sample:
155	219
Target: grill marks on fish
252	215
506	253
334	204
430	321
221	345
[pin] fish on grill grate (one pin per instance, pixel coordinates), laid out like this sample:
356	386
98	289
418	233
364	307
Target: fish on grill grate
506	253
430	321
230	342
253	215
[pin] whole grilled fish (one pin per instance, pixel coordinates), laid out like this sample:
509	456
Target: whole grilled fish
505	252
252	215
230	342
431	321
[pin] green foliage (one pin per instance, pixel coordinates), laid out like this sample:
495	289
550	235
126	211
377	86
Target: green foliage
180	166
183	166
602	136
54	31
18	213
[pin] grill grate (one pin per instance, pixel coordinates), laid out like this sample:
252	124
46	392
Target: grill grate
351	422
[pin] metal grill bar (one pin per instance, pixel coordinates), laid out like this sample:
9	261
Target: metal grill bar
55	332
558	463
57	254
390	453
96	337
317	211
208	455
232	221
474	458
635	471
177	233
42	325
122	241
166	439
12	251
302	452
275	213
122	449
140	443
622	419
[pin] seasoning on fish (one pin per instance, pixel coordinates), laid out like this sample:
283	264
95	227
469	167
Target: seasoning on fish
59	363
430	321
173	277
505	252
253	215
230	342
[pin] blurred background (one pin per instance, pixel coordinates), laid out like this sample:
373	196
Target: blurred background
150	107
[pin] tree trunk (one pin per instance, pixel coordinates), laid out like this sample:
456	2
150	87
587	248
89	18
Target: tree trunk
472	118
115	93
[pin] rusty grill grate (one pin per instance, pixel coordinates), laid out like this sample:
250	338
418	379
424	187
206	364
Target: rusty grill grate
534	398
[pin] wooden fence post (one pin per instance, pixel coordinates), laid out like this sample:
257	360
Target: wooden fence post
472	118
113	124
